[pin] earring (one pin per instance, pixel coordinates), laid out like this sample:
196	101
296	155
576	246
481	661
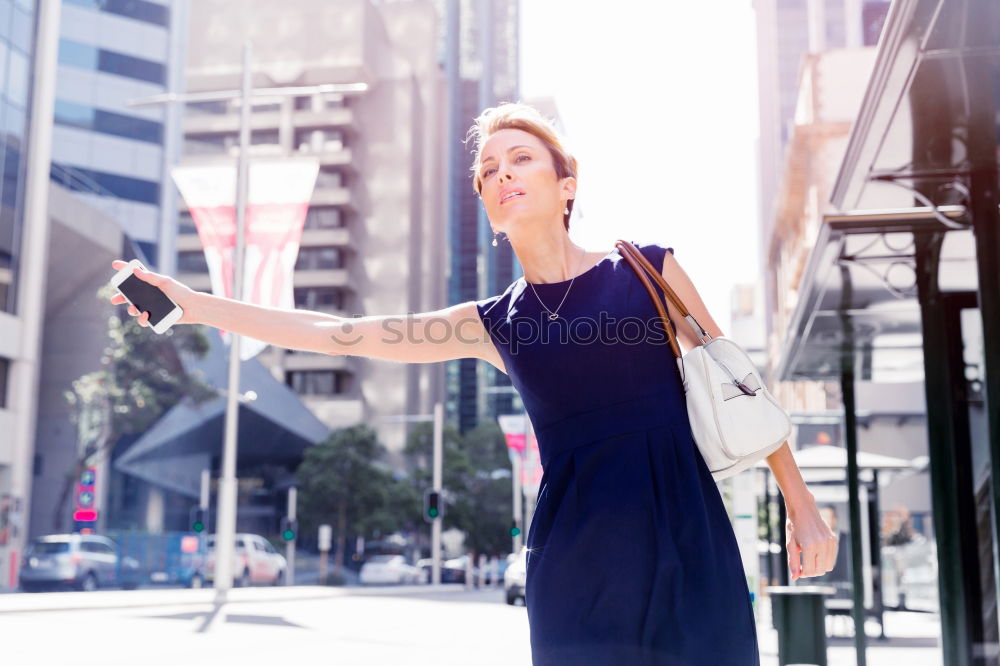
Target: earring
494	239
566	211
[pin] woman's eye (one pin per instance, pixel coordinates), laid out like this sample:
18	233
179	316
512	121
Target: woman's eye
488	172
523	155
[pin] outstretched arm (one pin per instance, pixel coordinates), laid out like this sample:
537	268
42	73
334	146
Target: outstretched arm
442	335
811	544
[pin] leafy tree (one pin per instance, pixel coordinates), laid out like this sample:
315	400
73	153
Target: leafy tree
476	479
141	377
341	478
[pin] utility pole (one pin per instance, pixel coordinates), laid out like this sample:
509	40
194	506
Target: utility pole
437	417
225	536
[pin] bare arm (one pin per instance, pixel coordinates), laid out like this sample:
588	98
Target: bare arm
808	535
441	335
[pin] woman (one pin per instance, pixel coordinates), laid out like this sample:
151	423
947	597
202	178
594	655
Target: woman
631	555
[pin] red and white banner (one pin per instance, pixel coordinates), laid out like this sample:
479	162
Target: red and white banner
278	199
522	443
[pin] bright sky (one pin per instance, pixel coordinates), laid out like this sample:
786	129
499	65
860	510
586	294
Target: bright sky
659	102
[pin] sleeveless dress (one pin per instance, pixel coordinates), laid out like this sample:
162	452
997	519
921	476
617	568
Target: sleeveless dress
631	558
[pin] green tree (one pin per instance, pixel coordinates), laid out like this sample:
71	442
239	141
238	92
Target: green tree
476	479
141	377
341	477
489	489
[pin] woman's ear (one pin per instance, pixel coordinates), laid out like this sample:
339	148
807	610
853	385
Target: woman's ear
568	187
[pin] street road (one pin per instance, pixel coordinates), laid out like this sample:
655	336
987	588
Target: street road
370	626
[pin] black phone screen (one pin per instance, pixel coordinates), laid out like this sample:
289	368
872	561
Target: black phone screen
147	298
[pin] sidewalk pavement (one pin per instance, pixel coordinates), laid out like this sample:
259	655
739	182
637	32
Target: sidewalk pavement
911	638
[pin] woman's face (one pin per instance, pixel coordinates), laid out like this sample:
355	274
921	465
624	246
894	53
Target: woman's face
519	180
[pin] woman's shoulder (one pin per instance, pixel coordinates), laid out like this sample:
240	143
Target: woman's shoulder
652	250
498	303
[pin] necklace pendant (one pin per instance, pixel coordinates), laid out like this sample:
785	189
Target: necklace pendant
553	315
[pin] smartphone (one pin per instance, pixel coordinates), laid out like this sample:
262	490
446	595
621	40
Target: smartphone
163	312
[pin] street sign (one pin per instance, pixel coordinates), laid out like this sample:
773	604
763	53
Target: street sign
325	537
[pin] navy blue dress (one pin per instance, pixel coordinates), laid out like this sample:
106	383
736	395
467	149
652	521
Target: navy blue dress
632	559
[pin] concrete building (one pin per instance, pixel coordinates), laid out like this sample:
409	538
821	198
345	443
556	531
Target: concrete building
113	156
788	30
374	241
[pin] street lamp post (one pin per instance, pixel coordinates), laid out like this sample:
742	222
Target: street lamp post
438	419
226	519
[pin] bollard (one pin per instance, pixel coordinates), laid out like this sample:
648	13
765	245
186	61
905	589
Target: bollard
799	615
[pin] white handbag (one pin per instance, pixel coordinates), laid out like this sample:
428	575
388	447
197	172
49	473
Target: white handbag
734	418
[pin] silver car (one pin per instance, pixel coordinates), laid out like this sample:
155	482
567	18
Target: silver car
81	561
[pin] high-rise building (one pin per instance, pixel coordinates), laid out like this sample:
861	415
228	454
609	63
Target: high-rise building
374	237
28	36
787	30
112	155
481	60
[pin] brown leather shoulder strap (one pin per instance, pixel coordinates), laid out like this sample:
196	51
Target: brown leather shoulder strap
642	266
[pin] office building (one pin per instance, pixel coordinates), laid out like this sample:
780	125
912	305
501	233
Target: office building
374	239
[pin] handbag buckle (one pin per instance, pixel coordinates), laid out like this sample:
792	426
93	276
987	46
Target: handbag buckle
743	387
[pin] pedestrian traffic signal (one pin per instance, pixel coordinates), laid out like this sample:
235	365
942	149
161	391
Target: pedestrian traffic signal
198	519
514	529
289	528
433	506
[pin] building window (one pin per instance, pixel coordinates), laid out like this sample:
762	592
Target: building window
333	101
92	181
215	107
318	140
208	144
324	218
319	299
85	56
4	373
70	114
192	262
319	258
185	223
330	177
315	382
140	10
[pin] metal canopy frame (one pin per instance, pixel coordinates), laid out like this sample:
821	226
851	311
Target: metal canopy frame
934	84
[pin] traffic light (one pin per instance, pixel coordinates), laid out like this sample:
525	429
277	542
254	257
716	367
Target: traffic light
198	519
514	529
84	505
433	505
289	528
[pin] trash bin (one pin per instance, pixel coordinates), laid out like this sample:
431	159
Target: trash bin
799	616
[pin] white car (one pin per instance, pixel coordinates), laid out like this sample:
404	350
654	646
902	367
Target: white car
254	561
515	577
389	569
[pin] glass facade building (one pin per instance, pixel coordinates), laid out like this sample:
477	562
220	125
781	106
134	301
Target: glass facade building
17	34
109	153
480	52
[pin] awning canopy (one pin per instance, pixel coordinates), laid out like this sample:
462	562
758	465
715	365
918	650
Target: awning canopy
905	171
857	299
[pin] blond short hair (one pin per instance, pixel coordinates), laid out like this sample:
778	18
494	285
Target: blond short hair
517	115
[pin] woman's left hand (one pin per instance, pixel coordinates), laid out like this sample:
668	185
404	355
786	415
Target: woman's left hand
811	544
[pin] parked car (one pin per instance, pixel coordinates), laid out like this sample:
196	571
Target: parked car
255	561
452	571
515	576
80	561
382	569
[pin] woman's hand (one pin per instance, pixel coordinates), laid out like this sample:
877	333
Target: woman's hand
811	544
179	293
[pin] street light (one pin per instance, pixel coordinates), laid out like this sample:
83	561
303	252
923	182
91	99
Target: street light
438	419
226	520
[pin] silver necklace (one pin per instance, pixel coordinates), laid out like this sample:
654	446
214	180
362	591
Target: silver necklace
553	315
